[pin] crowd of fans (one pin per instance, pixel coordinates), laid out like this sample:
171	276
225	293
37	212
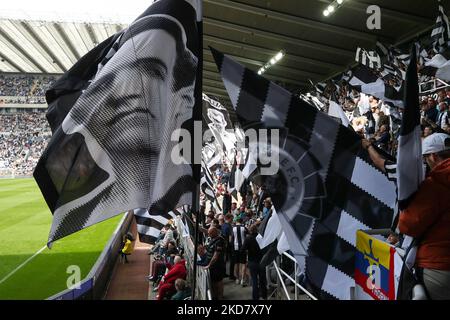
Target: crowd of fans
23	138
229	245
21	89
380	123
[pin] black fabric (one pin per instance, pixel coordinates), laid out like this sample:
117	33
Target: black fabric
226	203
250	245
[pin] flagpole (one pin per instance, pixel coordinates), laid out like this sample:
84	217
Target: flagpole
197	116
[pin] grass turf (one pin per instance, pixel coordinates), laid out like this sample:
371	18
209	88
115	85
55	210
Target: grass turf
25	222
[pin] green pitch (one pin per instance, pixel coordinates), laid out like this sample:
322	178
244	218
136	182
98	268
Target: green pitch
25	222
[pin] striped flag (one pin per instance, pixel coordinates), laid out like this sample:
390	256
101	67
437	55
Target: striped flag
440	35
111	146
325	189
207	182
149	225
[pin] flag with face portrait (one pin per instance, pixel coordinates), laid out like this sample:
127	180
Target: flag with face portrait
325	188
116	117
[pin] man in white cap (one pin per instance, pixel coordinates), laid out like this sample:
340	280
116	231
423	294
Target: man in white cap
427	218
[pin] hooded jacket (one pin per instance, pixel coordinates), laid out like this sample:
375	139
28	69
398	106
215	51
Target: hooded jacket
428	218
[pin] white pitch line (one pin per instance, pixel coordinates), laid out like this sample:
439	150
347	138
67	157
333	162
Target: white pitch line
22	265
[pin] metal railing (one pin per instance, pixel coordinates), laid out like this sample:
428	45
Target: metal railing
283	275
432	86
203	287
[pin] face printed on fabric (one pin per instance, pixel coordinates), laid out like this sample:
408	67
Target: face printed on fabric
129	112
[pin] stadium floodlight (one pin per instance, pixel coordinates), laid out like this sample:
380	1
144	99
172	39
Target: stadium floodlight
279	56
271	62
332	7
82	11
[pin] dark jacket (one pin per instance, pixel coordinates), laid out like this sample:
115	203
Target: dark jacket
226	203
251	246
432	114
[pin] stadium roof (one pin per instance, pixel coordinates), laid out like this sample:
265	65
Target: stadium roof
48	47
49	36
317	47
251	31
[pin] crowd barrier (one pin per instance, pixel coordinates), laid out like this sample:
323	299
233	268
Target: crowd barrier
94	286
203	281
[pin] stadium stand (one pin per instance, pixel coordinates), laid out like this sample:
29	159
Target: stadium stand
23	138
30	89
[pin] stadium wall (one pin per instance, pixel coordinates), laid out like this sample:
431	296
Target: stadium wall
94	286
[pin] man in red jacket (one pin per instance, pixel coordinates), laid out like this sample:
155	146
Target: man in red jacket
428	218
167	285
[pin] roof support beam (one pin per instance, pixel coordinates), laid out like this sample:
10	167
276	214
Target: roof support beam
295	20
92	34
12	64
216	90
270	53
67	41
277	37
44	46
213	83
22	51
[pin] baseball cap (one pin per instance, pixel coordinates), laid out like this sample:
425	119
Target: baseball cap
435	143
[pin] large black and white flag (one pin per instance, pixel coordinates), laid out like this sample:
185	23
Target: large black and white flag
440	35
365	81
325	188
113	116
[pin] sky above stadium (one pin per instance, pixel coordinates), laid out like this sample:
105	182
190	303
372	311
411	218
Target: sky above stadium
113	11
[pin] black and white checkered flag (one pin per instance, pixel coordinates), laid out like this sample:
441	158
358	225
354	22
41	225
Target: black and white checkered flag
325	189
366	81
